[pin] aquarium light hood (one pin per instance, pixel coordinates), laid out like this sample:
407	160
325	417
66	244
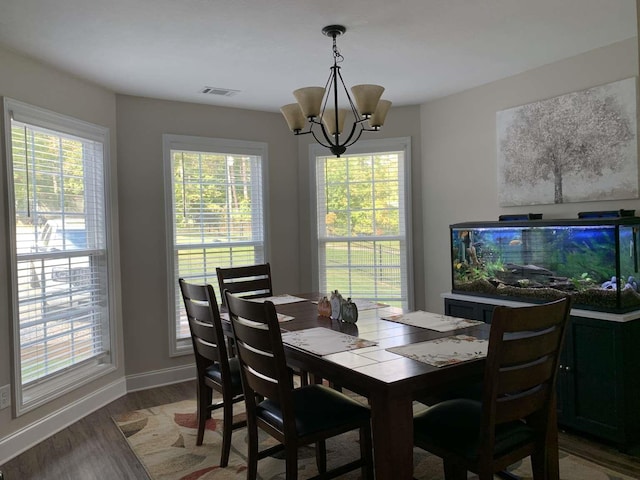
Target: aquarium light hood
608	214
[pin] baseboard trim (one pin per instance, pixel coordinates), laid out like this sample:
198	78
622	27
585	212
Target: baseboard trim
159	378
29	436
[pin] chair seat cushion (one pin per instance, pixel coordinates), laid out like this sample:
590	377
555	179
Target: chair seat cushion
317	408
454	425
214	373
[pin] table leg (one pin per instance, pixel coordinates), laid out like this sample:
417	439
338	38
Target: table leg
392	424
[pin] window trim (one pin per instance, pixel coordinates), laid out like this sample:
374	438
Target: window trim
379	145
179	347
56	385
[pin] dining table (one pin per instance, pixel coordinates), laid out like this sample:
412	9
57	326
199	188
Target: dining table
376	358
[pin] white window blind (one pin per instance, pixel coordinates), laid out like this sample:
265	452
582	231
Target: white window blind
216	213
362	224
60	268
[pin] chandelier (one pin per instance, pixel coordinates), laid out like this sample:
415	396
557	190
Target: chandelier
327	124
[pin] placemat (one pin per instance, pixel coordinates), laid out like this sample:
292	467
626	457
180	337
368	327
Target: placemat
281	317
432	321
280	299
444	351
324	341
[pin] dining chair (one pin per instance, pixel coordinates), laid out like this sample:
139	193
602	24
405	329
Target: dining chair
293	416
512	420
215	370
249	281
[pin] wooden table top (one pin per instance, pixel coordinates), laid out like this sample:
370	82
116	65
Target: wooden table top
375	368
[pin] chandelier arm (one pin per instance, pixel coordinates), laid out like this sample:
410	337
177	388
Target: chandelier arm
353	130
355	139
300	132
318	140
327	136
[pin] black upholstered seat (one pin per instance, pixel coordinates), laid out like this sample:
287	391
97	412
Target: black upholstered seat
214	372
316	408
455	425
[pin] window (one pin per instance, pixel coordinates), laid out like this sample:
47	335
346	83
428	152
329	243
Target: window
215	212
59	252
362	217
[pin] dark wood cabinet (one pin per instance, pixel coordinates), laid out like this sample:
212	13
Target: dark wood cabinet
599	376
471	310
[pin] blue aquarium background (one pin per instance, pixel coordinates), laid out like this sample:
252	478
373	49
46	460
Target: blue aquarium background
596	264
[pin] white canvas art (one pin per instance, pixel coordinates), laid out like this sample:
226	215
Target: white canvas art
573	148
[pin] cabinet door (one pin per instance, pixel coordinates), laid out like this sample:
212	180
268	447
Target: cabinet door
592	370
564	391
486	312
462	309
470	310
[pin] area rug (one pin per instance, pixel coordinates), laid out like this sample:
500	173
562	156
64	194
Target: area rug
164	437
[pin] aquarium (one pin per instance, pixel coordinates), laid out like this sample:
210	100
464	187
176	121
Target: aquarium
596	261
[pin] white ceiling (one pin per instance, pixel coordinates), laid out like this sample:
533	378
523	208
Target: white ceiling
418	49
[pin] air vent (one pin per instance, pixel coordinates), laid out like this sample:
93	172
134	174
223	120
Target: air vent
224	92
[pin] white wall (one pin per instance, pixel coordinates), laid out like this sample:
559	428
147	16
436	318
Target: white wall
459	174
141	123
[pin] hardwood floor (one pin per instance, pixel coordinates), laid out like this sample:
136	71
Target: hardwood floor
605	455
94	449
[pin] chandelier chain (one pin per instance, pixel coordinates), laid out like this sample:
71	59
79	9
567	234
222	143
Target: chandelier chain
337	56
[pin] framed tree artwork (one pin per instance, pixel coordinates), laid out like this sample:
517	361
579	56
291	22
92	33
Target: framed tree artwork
577	147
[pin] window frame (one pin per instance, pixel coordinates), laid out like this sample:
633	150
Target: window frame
52	386
364	147
183	346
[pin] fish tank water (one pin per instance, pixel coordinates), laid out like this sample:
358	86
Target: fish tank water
596	261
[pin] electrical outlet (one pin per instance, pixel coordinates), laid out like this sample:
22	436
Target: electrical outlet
5	396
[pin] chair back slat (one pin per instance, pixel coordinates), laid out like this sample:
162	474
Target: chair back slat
194	292
268	389
516	380
253	288
254	335
250	281
522	364
532	318
516	407
204	340
529	346
205	325
198	311
261	361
